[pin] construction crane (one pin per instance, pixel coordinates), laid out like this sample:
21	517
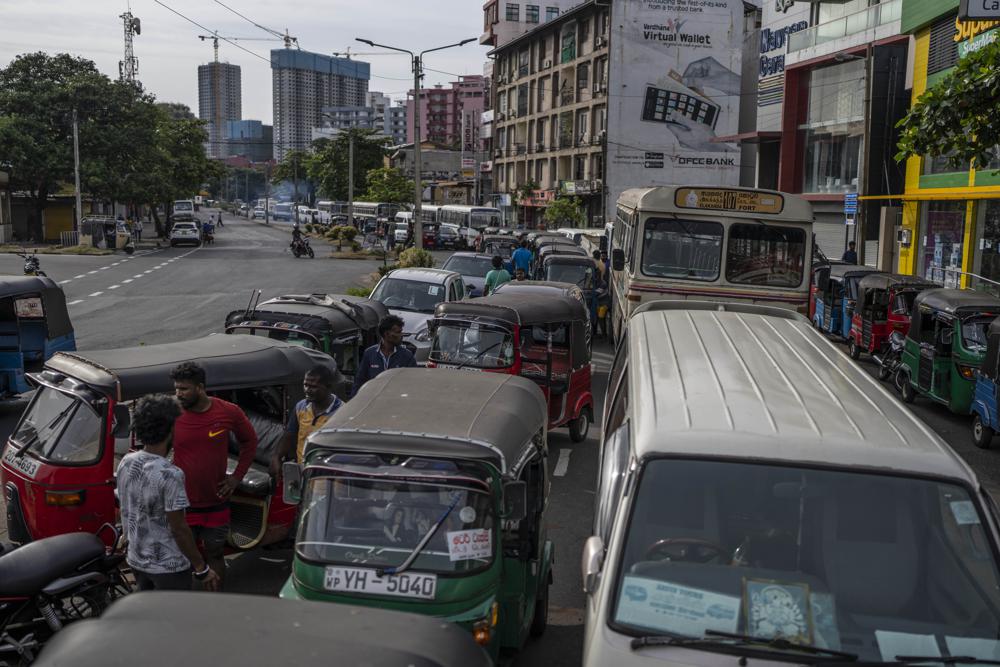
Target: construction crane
347	53
215	41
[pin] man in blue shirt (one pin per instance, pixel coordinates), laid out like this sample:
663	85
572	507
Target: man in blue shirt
389	353
521	259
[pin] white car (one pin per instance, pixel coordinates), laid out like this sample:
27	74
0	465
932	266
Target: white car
258	213
185	232
412	294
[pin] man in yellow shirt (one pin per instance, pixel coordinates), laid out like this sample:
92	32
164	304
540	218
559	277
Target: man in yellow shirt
310	414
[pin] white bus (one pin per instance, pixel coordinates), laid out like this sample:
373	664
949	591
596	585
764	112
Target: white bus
429	213
476	217
378	211
709	243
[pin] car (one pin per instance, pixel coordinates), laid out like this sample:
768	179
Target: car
448	236
473	267
185	232
401	231
412	294
258	213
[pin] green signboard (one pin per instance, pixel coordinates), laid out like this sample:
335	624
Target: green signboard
979	41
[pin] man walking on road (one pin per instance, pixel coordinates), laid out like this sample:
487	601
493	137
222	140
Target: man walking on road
161	547
521	258
310	414
497	277
201	450
389	353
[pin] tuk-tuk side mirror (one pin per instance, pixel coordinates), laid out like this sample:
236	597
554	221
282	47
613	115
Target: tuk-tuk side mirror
121	424
617	259
515	500
291	482
591	563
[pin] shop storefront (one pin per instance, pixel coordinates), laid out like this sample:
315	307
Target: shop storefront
950	219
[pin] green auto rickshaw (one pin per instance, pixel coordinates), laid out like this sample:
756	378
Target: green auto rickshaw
945	346
427	493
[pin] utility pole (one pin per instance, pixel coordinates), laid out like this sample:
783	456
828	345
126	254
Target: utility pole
295	178
267	193
350	178
76	170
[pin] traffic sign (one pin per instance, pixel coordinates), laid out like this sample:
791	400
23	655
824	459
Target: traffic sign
851	202
979	10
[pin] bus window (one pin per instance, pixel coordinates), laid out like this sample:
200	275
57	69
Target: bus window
759	254
682	249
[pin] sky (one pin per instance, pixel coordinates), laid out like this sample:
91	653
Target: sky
169	51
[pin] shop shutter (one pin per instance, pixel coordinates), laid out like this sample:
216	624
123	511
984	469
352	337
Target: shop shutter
942	53
830	238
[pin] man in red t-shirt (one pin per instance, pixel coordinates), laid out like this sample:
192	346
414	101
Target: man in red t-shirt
201	450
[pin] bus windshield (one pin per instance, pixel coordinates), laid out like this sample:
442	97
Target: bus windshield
682	249
760	254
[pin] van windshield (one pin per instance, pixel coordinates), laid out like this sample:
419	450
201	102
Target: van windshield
59	428
356	520
183	206
875	565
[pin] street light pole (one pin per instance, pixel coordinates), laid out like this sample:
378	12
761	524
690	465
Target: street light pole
350	178
76	170
417	62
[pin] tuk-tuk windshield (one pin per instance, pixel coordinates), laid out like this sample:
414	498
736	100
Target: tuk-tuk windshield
286	335
576	274
974	332
378	522
876	565
902	303
472	344
60	428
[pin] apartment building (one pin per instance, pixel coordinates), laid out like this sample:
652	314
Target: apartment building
219	101
250	139
303	85
442	109
391	119
504	21
550	110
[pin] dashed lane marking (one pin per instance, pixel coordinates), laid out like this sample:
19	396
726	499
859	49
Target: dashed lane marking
562	465
94	271
79	276
96	294
73	303
127	281
114	287
138	275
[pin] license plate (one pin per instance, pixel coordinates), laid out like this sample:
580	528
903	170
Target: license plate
363	580
23	464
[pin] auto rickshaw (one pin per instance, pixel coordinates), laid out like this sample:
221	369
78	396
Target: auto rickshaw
836	296
430	233
340	325
884	304
985	420
945	346
497	245
543	338
818	272
208	630
59	465
34	325
427	493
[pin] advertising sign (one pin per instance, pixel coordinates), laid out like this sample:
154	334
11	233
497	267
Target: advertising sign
979	9
677	71
779	20
729	200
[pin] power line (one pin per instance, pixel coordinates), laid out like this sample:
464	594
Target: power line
193	22
288	39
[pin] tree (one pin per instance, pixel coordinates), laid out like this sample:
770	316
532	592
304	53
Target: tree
177	110
565	212
957	117
328	166
389	185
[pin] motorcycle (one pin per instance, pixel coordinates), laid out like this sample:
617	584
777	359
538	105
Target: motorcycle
53	581
891	359
32	265
301	247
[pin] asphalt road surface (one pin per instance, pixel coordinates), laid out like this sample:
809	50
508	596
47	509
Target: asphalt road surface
176	294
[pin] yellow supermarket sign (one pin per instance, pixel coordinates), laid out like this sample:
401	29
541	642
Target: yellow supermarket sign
718	199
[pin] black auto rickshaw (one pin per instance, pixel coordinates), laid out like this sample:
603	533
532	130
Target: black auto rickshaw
543	337
164	629
569	268
34	325
340	325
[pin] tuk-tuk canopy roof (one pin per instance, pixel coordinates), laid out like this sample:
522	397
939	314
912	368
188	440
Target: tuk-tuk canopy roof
544	287
886	281
948	300
229	361
335	314
57	321
550	249
489	417
164	629
524	309
841	271
577	260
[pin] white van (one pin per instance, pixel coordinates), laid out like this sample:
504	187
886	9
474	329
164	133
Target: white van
761	497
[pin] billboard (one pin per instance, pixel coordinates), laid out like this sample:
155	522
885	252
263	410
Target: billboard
780	19
675	72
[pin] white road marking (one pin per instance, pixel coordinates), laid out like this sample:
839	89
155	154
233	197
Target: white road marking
127	281
145	272
79	276
114	287
105	268
63	282
96	294
116	264
562	465
73	303
94	271
138	275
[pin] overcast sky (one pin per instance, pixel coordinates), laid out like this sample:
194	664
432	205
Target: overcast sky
169	50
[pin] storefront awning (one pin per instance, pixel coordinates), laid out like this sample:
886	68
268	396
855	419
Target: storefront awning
952	194
748	138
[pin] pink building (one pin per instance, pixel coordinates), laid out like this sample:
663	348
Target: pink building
442	110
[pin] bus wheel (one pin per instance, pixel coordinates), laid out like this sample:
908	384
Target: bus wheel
541	619
982	435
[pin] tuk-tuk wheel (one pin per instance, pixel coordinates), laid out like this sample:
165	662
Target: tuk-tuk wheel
906	390
579	427
853	351
982	435
883	370
541	619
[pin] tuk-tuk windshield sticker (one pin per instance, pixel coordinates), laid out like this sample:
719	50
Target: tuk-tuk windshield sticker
964	512
661	605
467	514
777	609
476	544
29	307
433	290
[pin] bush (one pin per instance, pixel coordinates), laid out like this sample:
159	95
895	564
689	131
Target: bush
415	257
347	232
359	291
386	268
355	246
309	228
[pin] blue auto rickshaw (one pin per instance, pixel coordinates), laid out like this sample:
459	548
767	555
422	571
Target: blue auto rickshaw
835	297
34	325
985	421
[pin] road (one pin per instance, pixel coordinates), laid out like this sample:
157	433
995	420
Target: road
175	294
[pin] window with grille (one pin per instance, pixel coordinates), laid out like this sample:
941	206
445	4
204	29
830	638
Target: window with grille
942	52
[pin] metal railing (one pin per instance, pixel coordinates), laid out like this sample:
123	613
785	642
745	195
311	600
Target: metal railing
866	19
67	239
948	277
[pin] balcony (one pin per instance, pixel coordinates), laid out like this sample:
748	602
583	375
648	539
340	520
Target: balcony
866	19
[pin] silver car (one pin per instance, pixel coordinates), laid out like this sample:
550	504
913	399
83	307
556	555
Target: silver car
412	294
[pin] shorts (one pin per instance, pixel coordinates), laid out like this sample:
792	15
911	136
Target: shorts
213	540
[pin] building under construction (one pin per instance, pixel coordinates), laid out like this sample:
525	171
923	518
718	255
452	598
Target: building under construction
219	101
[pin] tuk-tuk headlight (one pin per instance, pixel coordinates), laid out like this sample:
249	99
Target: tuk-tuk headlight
482	630
967	372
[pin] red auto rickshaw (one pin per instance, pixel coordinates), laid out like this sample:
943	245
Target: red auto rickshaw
885	301
59	464
544	337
